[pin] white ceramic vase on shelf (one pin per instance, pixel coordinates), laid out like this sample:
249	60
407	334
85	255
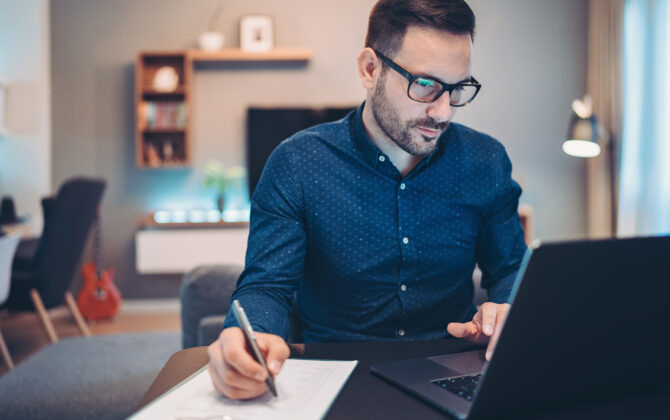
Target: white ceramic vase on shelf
210	41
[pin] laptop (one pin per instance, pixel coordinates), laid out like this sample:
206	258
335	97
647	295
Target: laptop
588	319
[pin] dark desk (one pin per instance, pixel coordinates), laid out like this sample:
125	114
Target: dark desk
365	396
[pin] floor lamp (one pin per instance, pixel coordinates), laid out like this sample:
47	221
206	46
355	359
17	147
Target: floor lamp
585	140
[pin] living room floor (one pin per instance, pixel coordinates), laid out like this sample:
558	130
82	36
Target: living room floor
25	335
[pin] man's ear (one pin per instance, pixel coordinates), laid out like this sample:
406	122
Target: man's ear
369	67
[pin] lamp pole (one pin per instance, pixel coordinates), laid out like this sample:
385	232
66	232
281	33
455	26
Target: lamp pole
611	150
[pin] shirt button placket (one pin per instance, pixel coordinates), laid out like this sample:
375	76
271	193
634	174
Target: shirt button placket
405	240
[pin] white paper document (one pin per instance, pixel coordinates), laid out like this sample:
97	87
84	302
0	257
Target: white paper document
306	389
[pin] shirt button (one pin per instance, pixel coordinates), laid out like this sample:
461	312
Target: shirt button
401	333
382	158
403	287
405	240
402	186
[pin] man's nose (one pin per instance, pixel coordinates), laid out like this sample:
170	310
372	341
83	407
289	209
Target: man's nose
440	110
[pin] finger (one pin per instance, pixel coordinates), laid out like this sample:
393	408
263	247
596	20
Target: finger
235	354
225	373
462	330
500	322
216	380
215	352
232	377
477	319
242	394
234	392
489	314
276	352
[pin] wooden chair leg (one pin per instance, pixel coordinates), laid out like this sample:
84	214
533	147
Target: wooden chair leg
76	314
44	316
5	352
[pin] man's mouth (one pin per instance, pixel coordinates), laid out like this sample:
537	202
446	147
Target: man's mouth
428	132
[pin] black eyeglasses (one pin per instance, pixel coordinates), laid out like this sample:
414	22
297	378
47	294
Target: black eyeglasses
426	90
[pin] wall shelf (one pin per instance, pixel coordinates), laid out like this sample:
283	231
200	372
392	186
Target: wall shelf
147	222
162	130
180	90
236	54
176	251
162	118
157	143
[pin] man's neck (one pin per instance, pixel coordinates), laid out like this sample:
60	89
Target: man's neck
402	160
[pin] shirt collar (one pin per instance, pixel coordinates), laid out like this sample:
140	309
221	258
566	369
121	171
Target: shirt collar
371	153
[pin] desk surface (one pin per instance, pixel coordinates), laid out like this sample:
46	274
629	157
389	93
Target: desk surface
365	396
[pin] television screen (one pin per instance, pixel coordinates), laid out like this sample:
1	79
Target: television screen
267	127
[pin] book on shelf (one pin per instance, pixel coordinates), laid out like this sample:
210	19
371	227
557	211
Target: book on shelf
162	115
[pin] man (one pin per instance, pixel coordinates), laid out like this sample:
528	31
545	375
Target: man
375	222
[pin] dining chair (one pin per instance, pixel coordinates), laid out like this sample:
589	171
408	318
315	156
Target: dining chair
8	244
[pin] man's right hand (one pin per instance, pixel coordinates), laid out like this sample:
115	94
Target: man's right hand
234	371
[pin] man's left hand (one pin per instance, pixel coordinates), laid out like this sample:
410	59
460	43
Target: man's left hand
485	326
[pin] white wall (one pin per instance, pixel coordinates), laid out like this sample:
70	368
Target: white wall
25	152
530	56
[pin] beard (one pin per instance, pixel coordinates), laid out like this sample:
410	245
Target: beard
402	134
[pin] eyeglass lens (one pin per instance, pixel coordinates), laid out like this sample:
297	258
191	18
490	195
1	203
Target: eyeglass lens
425	90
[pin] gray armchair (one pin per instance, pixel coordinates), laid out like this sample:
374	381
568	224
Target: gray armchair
205	299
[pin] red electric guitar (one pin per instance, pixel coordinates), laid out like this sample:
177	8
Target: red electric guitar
99	297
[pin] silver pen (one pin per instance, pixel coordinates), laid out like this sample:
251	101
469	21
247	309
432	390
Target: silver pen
250	337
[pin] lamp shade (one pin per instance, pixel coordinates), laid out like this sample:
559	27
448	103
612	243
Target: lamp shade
582	139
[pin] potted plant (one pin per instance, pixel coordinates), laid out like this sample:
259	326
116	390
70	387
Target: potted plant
221	178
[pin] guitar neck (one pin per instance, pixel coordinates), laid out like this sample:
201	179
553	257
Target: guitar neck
98	245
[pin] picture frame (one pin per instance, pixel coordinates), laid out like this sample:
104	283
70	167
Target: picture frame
256	33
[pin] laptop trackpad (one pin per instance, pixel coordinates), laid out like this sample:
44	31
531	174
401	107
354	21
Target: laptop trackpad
466	363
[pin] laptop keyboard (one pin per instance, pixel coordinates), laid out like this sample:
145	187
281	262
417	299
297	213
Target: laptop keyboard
463	386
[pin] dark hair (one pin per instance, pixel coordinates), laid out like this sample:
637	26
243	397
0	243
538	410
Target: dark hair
389	20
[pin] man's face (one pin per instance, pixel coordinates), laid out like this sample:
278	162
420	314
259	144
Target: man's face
414	126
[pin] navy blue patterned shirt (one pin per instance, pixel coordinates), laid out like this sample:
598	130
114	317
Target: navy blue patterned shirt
371	254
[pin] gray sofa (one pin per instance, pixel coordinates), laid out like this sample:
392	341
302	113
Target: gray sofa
205	300
100	377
